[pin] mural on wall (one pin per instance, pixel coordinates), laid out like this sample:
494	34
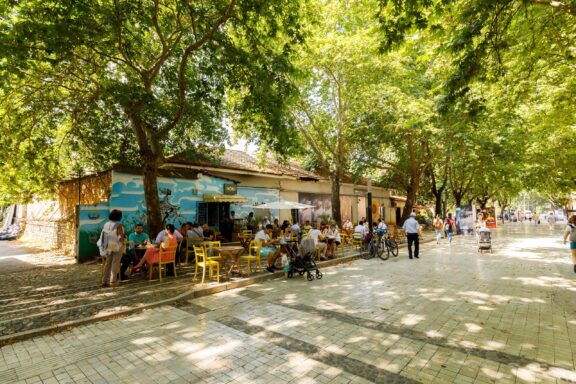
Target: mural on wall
92	220
256	196
322	210
179	200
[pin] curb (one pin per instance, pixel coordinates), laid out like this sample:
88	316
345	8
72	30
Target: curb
190	294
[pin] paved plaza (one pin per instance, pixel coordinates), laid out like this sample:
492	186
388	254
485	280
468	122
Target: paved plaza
453	316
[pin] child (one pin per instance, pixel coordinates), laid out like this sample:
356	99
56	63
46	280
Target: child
286	265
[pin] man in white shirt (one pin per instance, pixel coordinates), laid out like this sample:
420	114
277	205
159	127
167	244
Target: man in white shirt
262	239
411	227
360	231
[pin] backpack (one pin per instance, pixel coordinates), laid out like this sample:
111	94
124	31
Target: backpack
572	233
106	247
448	226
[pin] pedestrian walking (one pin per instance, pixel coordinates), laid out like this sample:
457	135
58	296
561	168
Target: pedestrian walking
449	227
412	228
570	234
437	223
551	220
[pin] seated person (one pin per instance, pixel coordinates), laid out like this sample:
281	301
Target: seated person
196	232
276	229
307	226
208	233
331	234
360	231
262	238
295	230
166	239
318	237
136	239
185	228
381	225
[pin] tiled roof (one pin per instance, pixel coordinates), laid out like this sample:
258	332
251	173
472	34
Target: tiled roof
238	160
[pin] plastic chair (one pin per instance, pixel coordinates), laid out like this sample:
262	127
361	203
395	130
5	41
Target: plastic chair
203	262
357	241
253	255
246	231
161	258
190	243
210	253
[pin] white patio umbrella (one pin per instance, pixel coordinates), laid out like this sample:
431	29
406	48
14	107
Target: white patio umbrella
283	204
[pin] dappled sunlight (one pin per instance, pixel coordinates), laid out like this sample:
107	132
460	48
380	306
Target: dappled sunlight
474	328
211	351
492	374
493	345
412	319
544	281
145	340
433	334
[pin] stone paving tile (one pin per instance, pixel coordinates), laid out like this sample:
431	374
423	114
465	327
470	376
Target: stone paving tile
454	316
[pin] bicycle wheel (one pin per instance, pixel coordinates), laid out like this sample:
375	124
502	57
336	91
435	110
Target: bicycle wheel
372	249
384	253
393	247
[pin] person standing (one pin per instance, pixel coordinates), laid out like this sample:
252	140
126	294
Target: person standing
437	223
570	234
551	220
449	227
411	227
113	232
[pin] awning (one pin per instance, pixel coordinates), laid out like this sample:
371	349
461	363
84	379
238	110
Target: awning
211	198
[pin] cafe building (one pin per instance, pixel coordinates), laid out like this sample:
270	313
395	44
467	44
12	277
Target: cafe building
218	190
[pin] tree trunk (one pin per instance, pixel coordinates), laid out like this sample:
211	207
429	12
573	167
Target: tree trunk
457	198
153	214
336	213
411	195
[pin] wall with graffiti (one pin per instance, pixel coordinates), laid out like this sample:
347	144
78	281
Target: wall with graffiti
256	196
179	200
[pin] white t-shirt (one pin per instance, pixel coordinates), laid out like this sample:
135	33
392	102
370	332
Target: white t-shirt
314	233
411	225
382	225
360	229
162	236
295	227
262	236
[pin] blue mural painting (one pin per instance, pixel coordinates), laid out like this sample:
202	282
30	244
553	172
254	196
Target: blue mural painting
256	196
179	199
92	219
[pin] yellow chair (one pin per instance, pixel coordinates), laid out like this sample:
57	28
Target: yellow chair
210	253
203	262
246	231
253	255
357	242
190	243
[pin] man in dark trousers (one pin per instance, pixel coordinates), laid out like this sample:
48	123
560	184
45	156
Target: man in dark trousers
411	227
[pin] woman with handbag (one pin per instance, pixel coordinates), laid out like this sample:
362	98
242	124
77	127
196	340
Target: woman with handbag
114	238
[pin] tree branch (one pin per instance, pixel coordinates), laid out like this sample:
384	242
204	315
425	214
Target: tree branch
184	61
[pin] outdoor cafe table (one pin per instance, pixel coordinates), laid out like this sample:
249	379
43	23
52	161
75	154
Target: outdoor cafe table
232	252
245	240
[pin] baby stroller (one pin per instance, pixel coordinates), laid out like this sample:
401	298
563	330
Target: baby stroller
484	240
303	261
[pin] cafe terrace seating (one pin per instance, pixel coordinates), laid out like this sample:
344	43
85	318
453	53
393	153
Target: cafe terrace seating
203	262
161	258
211	253
253	256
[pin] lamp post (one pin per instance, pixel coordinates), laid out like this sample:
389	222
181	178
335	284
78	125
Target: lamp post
369	202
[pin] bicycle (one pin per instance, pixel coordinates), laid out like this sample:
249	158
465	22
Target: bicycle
371	248
386	243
